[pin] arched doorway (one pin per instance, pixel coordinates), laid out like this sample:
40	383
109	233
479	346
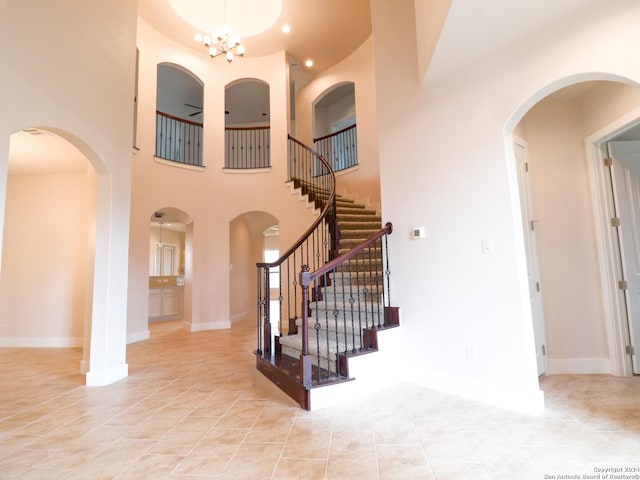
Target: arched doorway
251	235
581	310
170	266
46	288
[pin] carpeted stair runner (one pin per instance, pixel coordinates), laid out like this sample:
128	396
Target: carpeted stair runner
359	280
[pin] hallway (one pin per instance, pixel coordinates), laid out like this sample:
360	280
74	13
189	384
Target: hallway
194	407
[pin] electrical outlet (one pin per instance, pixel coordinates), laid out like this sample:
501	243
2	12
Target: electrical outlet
487	246
472	354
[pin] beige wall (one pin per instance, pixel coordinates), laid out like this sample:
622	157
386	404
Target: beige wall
447	163
75	77
565	232
247	244
363	183
244	255
43	291
210	196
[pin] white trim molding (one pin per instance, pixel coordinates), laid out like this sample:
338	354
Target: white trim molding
41	342
579	366
138	336
199	327
608	256
106	377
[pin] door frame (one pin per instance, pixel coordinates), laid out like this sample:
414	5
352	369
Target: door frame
532	253
609	255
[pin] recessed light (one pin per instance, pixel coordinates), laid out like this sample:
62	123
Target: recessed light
286	28
309	63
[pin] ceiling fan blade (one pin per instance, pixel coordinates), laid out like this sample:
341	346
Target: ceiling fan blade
195	113
193	106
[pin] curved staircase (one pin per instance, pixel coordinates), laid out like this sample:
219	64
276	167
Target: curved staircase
344	303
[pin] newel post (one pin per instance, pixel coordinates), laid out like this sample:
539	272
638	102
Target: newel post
267	313
305	358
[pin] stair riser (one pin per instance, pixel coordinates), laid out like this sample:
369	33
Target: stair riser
340	292
344	210
344	234
295	353
365	317
293	348
352	329
373	252
358	218
362	280
351	242
365	224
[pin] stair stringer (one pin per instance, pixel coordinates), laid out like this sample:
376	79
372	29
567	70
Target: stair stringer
370	373
303	198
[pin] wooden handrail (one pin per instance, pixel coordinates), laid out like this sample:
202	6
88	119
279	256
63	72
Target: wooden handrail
386	230
325	211
334	133
190	122
248	128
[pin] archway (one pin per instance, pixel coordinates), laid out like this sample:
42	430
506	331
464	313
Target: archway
247	113
179	115
334	126
170	265
250	235
48	252
579	304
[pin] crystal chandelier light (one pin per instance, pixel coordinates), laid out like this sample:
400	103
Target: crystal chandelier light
222	43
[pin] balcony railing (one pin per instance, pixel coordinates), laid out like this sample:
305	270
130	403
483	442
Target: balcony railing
339	148
247	147
178	140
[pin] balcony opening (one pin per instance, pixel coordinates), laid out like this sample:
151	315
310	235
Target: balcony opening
179	115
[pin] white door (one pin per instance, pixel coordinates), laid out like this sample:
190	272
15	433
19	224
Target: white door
625	171
531	249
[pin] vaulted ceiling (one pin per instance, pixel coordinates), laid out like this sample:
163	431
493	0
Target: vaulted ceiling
329	30
326	31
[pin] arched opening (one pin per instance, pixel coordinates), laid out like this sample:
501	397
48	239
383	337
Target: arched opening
334	126
253	238
170	268
179	115
48	253
247	124
580	317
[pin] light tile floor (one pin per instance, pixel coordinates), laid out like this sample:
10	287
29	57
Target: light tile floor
194	407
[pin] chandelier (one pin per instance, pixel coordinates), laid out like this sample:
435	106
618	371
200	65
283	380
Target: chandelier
222	43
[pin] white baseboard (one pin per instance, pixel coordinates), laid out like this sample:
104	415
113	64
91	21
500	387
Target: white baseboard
41	342
579	366
243	315
527	401
138	336
106	377
199	327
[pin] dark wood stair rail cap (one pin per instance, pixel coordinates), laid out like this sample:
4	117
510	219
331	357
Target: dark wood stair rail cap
387	229
321	217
